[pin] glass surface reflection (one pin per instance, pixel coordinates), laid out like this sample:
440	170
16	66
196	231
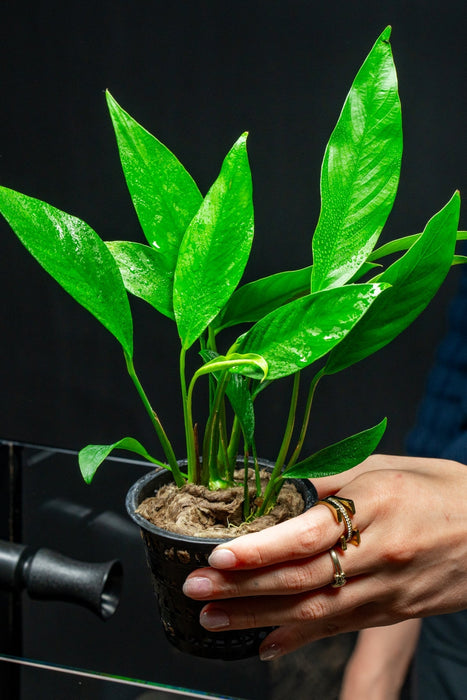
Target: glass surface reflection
45	504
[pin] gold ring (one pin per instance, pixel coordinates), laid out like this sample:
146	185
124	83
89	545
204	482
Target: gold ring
343	509
339	576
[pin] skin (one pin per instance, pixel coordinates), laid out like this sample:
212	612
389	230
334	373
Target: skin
379	663
410	563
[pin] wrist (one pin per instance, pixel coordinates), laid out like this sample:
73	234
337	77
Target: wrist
360	681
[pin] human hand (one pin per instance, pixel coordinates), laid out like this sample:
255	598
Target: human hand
410	563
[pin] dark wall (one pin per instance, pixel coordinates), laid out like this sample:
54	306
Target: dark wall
197	74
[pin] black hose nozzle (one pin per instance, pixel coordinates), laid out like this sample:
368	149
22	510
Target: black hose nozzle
49	575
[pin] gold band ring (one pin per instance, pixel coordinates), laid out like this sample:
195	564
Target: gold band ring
343	509
339	576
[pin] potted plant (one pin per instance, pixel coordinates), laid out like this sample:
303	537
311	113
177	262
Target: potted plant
338	310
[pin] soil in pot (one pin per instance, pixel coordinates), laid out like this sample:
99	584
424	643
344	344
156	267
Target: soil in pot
195	510
172	556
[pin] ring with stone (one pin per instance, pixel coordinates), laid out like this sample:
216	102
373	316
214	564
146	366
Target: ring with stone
340	578
343	509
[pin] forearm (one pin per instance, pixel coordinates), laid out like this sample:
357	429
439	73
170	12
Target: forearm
378	666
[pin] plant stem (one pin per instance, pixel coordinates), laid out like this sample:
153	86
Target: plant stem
192	466
212	426
290	422
246	492
270	491
232	450
211	344
223	455
164	440
257	476
306	418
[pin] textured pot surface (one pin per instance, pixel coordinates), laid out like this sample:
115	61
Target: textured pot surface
171	557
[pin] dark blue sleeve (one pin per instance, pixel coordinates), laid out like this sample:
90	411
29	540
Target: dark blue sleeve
441	431
441	427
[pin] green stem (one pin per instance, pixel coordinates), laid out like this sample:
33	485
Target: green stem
223	455
211	345
246	491
290	423
232	450
211	339
270	491
192	460
257	475
208	443
306	418
164	440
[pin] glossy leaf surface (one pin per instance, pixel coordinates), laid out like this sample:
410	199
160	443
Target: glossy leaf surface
235	361
145	274
404	243
74	255
164	194
215	248
91	457
340	456
254	300
298	333
360	171
414	280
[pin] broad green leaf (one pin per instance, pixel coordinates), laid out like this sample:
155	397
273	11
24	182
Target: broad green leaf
340	456
74	255
164	194
363	270
254	300
360	171
414	280
404	243
145	274
215	248
300	332
91	457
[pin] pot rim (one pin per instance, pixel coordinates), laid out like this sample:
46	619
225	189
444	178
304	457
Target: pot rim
132	501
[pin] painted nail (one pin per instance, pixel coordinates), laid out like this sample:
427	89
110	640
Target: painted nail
270	652
214	619
198	587
222	559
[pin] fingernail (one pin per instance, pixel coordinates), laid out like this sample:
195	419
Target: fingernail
198	587
270	652
214	619
222	559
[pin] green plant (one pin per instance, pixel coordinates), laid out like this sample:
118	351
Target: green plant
196	252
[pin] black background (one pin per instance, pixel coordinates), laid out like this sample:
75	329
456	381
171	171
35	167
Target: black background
198	74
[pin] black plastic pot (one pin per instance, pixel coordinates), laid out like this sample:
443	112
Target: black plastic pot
171	557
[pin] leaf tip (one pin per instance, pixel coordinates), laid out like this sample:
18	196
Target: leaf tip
241	141
386	34
112	103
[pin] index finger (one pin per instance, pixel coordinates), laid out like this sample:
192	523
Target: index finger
307	534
